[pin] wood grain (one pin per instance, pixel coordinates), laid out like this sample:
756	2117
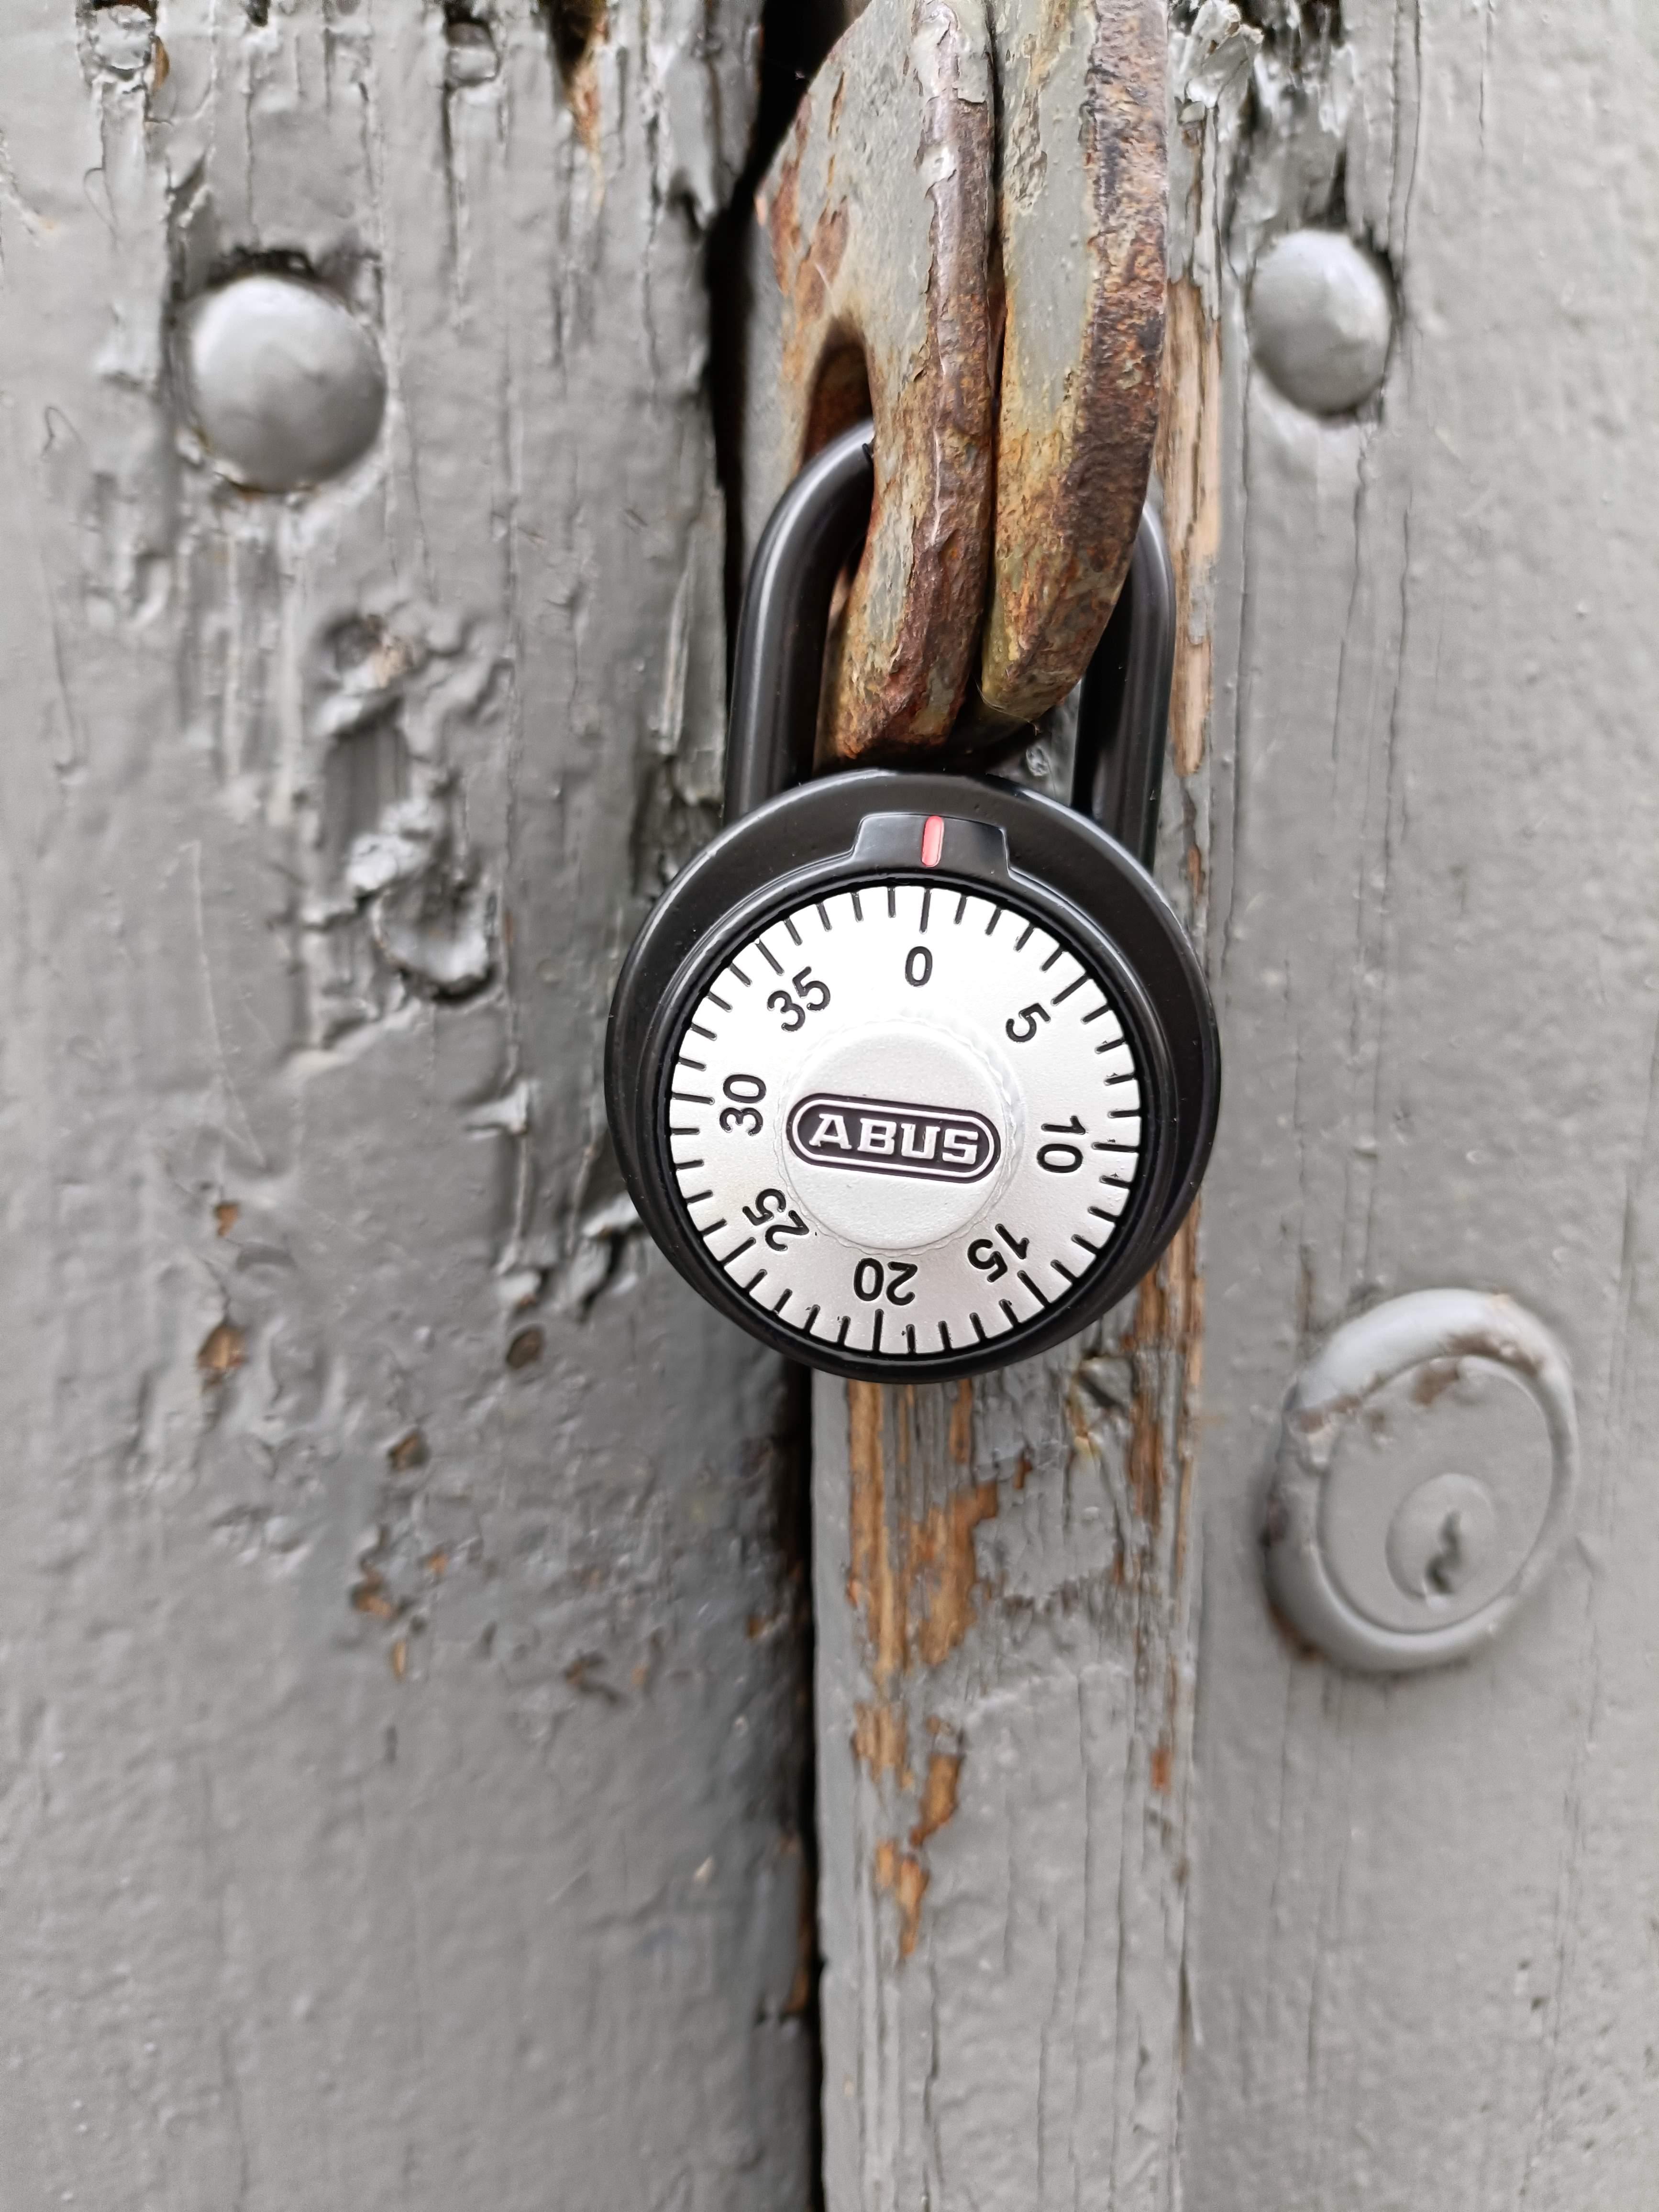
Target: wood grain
401	1685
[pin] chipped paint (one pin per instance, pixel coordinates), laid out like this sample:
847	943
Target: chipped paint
381	1696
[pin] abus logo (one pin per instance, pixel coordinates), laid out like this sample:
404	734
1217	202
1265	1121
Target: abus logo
882	1136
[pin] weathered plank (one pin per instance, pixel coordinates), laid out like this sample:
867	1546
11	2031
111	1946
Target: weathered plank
1420	1945
401	1670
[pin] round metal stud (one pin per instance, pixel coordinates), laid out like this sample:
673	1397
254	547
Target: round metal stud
286	383
122	38
1427	1462
1321	318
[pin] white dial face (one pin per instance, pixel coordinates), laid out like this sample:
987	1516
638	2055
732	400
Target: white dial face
905	1120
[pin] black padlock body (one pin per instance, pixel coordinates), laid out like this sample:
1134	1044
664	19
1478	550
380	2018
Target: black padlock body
868	1201
1058	868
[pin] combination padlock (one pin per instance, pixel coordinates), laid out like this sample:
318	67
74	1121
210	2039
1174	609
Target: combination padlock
910	1072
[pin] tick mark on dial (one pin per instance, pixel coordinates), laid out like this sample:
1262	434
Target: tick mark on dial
858	910
892	903
741	977
794	935
1050	961
690	1098
753	1279
845	1323
944	1336
701	1197
910	1339
685	1132
699	1067
1013	1318
1020	943
783	1302
875	1332
768	956
962	908
822	916
979	1328
1030	1286
1086	1245
702	1032
927	908
1104	1007
996	916
716	999
714	1229
1062	997
739	1253
1060	1268
1100	1214
810	1318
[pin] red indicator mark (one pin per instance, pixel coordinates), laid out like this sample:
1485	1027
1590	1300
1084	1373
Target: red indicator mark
932	840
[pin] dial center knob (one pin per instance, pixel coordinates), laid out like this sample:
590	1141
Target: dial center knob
898	1134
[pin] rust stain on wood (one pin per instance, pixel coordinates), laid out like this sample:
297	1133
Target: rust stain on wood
222	1351
902	1876
1189	469
939	1795
962	1423
912	1577
873	1588
944	1571
880	1737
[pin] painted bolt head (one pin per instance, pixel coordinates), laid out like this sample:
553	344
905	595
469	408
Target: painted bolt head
286	386
1321	318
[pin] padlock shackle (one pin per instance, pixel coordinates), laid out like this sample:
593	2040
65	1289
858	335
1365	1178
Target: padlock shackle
778	669
1123	715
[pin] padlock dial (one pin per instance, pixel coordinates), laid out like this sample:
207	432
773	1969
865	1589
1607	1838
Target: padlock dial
905	1120
921	1053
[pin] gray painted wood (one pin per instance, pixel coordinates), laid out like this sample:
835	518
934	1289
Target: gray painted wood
1420	1935
400	1682
1198	1919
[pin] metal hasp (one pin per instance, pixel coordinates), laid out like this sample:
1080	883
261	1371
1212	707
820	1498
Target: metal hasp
815	530
1427	1463
964	234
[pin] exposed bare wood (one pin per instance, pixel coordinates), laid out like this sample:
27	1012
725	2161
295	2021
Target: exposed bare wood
401	1684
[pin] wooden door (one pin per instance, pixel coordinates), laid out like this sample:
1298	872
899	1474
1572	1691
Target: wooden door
408	1756
400	1620
1131	1895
